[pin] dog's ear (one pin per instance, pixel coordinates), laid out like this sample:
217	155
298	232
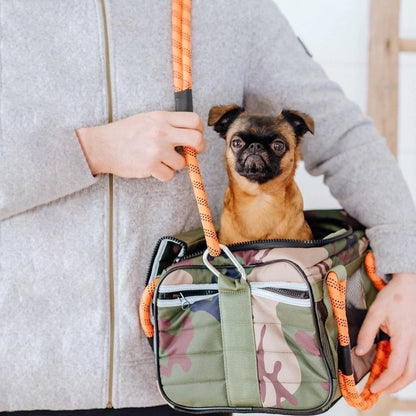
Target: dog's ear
300	122
221	117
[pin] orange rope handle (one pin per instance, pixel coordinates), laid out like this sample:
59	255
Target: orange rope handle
370	268
182	78
144	308
367	399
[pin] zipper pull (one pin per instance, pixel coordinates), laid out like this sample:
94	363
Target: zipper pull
184	302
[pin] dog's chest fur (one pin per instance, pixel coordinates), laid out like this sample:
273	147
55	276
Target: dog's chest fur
272	216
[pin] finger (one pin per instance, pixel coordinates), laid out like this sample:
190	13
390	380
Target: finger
395	367
409	376
162	172
187	137
184	119
174	160
368	332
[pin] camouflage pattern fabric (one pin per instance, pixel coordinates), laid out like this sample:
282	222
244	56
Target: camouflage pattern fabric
277	356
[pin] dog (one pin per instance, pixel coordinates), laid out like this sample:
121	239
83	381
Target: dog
262	201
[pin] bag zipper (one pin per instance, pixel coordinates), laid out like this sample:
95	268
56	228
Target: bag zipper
295	298
185	295
184	302
248	245
173	291
296	294
277	243
156	256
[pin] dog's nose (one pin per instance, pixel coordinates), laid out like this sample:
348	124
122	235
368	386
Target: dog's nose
256	147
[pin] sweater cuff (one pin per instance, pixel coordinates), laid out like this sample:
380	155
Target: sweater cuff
394	249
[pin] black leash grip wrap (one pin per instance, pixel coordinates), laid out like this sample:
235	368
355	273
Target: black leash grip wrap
183	100
344	360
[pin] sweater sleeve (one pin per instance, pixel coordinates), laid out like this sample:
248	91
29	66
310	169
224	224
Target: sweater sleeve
49	166
357	166
52	81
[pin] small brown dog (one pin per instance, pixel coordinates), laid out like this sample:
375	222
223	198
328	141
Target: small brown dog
262	200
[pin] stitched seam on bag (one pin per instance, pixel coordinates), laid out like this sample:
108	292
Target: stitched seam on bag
193	353
194	382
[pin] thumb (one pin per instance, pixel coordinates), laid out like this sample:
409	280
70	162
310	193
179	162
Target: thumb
368	331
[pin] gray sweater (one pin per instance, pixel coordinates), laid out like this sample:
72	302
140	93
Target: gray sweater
75	248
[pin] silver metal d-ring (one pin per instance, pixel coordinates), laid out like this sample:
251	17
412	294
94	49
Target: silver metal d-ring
231	256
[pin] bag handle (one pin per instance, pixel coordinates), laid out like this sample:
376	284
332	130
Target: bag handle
182	78
337	289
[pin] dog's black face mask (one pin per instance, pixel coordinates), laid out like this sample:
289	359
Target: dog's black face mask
258	157
260	148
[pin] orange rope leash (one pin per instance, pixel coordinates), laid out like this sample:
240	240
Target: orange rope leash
186	44
144	308
337	292
182	78
177	45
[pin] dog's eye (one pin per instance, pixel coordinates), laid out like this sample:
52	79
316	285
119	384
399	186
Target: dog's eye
279	146
236	143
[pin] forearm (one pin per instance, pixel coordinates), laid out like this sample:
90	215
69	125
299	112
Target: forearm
139	146
40	169
368	183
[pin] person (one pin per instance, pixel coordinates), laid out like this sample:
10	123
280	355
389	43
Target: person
91	179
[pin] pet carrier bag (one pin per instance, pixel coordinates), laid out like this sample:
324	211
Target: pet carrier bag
267	326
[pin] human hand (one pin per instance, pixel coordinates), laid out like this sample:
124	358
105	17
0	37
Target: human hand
142	145
394	312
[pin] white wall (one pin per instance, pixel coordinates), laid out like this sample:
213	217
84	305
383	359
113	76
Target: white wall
336	33
407	97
